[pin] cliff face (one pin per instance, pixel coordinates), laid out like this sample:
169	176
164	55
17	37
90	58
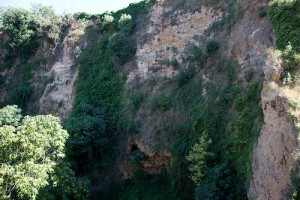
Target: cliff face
53	81
250	40
253	46
168	34
272	156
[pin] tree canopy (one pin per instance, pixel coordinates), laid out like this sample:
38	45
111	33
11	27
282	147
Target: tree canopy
30	149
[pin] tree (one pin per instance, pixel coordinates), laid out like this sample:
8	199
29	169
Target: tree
24	27
64	185
16	23
126	23
197	156
88	135
30	149
123	46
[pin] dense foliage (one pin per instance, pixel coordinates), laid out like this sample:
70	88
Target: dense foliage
197	156
63	184
284	15
23	26
30	148
95	118
285	19
25	30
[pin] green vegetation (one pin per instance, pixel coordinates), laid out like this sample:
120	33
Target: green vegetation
230	114
123	46
262	11
197	157
214	121
184	76
224	121
285	21
161	103
99	103
2	81
20	95
23	26
63	184
30	148
25	29
212	46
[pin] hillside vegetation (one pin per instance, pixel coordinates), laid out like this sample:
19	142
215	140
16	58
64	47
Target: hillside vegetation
212	122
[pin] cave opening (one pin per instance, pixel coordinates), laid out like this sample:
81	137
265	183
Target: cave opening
133	148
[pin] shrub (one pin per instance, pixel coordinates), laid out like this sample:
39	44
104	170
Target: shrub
126	23
65	185
160	102
18	24
184	76
197	56
81	15
262	11
46	22
107	19
30	148
20	95
137	100
23	27
175	64
123	46
285	21
88	134
212	46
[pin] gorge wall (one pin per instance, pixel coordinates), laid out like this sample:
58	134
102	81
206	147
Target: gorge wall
164	40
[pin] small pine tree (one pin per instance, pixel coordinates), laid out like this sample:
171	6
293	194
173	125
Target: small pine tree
197	156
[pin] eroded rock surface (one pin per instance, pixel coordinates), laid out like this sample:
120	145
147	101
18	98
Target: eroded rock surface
59	93
168	34
272	158
141	156
58	96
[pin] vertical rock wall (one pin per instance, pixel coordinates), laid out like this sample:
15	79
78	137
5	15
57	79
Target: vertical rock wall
168	33
252	45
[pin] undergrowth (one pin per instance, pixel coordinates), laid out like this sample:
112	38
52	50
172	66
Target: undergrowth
25	30
229	113
285	19
100	95
223	108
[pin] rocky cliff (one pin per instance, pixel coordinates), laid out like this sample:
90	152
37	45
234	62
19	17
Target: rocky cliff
164	40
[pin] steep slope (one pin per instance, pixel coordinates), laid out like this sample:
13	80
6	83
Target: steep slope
140	87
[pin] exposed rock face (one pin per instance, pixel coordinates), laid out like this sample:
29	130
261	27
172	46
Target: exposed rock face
272	158
54	75
272	155
59	93
249	39
139	155
58	96
168	34
251	44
